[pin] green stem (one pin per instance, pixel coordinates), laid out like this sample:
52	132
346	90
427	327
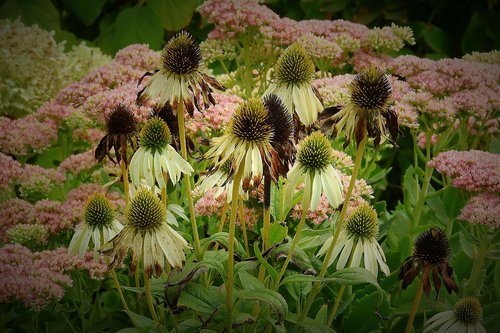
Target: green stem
149	298
422	194
122	297
414	308
187	181
222	221
244	226
478	261
331	317
305	208
230	254
324	268
125	180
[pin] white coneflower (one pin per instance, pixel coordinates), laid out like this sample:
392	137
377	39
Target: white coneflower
293	75
99	224
180	80
148	236
314	167
246	140
368	109
220	179
156	156
358	239
464	318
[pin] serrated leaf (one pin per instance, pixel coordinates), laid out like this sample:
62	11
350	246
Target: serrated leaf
174	14
274	300
199	298
41	12
87	11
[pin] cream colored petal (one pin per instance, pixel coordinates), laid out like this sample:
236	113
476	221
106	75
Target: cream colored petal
325	246
358	252
76	240
344	255
147	168
136	166
370	263
332	185
316	191
171	219
84	245
157	169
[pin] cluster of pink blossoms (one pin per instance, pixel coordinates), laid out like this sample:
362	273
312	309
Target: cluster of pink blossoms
484	209
38	278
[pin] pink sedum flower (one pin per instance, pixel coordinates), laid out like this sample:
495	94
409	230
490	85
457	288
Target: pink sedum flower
484	209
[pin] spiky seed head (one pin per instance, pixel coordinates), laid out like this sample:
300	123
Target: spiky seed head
280	119
250	122
181	55
468	310
121	121
155	135
370	90
98	211
166	113
363	222
432	247
315	152
146	211
294	66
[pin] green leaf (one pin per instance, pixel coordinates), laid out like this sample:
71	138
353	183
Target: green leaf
41	12
277	233
199	298
322	315
87	11
362	317
222	237
249	281
475	37
187	326
308	325
311	238
272	272
437	39
273	299
174	14
410	188
133	25
142	321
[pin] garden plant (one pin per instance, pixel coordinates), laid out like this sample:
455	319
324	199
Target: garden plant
276	175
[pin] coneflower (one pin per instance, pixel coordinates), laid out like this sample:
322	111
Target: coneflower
99	225
369	109
292	79
156	156
464	318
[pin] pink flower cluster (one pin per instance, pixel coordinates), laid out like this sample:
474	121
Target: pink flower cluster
13	212
318	216
473	170
38	278
78	163
483	209
216	116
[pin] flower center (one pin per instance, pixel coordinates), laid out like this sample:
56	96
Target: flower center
98	211
146	211
279	118
155	135
250	122
315	152
370	90
121	121
181	55
363	222
468	310
294	66
432	247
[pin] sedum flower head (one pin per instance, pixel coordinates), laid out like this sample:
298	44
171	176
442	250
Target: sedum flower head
431	253
293	75
368	109
294	66
148	236
314	167
179	80
99	224
358	241
465	318
156	158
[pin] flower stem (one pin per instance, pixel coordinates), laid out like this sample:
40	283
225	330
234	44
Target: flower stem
187	181
317	285
478	261
267	211
149	298
230	254
422	195
305	208
414	308
123	166
122	297
222	221
331	317
244	226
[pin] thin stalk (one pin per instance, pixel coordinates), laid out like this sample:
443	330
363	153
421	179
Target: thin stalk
244	226
478	261
305	207
414	308
425	184
149	298
230	254
122	298
164	197
137	281
222	221
266	210
331	317
324	268
187	181
123	166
